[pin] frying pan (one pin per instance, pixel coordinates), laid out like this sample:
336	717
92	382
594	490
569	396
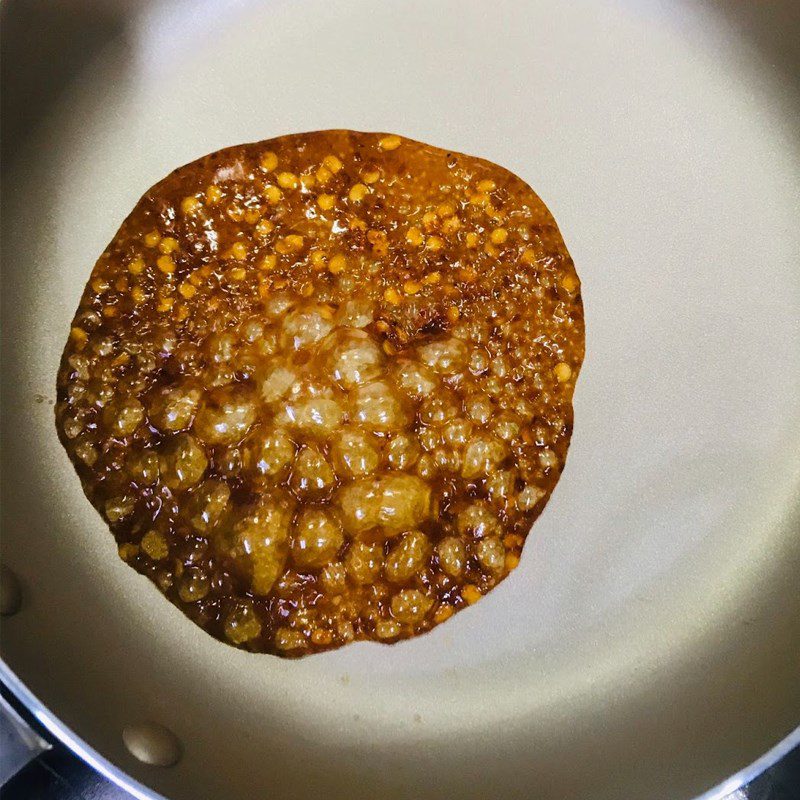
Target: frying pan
648	646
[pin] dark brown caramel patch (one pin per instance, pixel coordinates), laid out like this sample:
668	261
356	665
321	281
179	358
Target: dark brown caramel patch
320	386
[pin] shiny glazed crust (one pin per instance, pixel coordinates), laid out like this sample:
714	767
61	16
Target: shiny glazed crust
320	386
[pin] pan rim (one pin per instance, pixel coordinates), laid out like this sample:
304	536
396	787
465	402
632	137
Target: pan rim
66	736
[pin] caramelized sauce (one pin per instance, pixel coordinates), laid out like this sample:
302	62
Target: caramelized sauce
320	386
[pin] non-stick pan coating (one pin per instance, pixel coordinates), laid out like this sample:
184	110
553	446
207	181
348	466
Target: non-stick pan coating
649	643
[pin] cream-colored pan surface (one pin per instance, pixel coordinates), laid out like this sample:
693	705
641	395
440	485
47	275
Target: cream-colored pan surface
648	645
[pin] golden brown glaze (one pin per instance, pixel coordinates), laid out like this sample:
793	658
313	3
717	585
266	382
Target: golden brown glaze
320	386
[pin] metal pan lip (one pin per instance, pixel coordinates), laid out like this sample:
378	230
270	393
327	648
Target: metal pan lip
118	776
71	740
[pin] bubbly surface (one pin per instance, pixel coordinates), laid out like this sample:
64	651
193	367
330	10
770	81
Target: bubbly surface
320	386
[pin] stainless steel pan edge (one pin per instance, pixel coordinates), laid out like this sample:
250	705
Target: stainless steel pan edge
138	790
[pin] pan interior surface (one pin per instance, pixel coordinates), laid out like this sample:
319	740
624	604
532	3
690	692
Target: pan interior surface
649	642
